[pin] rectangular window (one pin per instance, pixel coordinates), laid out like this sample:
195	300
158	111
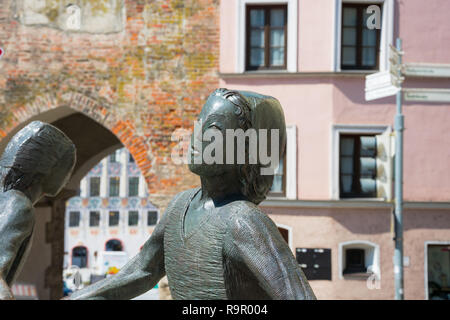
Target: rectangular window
354	261
114	186
152	218
94	218
278	188
74	218
360	45
266	37
133	186
113	218
357	162
94	186
133	218
114	157
130	158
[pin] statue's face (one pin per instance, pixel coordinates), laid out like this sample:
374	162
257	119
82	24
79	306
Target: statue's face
217	115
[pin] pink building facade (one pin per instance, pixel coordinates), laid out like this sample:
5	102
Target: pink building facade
313	56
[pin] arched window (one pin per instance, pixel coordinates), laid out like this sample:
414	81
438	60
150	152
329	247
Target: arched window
359	259
79	256
113	245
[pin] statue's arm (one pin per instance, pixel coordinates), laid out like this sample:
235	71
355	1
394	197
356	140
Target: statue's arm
16	224
138	276
254	242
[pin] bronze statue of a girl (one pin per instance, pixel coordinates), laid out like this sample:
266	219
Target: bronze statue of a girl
214	242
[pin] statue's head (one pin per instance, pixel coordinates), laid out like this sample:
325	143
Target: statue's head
226	109
39	153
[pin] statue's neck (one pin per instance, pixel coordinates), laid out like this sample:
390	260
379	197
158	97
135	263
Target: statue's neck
220	189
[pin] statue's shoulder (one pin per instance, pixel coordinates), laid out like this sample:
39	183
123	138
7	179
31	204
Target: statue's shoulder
181	198
16	200
244	212
18	209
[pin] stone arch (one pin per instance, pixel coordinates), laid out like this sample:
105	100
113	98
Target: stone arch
96	132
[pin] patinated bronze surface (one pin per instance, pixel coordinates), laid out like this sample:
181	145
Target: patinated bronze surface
37	162
214	242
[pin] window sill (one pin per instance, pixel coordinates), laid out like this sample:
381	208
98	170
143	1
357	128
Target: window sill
356	276
285	74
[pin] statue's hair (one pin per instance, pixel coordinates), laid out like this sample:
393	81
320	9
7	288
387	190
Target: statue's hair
34	153
253	186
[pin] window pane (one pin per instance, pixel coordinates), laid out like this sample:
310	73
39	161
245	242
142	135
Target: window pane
349	56
257	17
277	38
114	183
349	17
368	57
349	36
130	158
152	218
79	257
94	218
113	218
257	38
277	186
347	165
277	18
133	186
347	146
113	245
369	37
277	56
346	182
256	57
94	186
74	218
133	218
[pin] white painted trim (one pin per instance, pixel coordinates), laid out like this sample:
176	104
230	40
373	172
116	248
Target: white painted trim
364	244
387	31
336	131
425	259
292	31
291	162
289	229
291	165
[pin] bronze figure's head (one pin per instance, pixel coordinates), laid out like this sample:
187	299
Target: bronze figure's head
227	110
39	154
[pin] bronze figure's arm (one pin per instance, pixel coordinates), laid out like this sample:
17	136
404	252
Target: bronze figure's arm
256	247
16	227
138	276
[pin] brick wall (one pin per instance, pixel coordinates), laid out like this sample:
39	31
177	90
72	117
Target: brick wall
141	83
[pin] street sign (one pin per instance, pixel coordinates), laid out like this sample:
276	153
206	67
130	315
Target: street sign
427	70
380	85
427	95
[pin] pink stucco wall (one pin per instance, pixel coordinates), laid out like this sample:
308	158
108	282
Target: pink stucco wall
326	228
316	103
315	35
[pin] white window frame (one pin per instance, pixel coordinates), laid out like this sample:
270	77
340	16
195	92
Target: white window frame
292	30
387	31
425	259
363	244
337	130
291	165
